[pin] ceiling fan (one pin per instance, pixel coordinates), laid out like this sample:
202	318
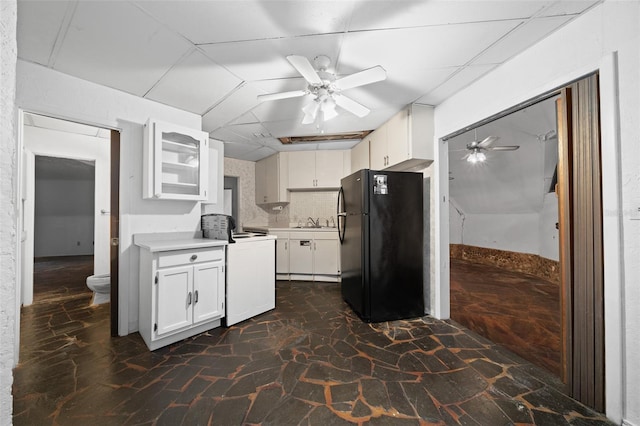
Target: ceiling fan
326	88
476	148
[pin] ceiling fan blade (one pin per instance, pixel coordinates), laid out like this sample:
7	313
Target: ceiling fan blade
504	148
281	95
486	142
361	78
305	69
352	106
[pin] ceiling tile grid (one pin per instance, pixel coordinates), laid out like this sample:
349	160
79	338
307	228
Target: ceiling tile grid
214	58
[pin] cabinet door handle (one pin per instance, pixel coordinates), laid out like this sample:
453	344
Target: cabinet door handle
285	245
315	246
194	257
189	299
195	297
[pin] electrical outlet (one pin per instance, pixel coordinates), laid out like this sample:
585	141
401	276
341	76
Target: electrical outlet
635	213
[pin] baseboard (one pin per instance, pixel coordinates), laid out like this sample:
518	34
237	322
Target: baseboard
627	423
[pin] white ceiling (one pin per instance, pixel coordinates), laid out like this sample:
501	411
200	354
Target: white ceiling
508	182
214	57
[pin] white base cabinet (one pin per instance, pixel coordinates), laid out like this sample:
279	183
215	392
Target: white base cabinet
308	255
282	254
182	293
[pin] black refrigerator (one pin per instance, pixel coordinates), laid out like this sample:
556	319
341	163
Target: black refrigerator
380	224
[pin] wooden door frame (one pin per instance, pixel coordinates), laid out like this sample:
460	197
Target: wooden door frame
114	241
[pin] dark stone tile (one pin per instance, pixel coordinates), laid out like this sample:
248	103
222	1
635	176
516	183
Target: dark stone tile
330	374
344	393
375	393
484	411
515	410
309	392
389	420
421	401
290	411
399	400
264	403
544	418
360	410
323	416
486	368
230	411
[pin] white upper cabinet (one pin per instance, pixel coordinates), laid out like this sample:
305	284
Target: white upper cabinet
405	141
360	155
316	169
271	178
176	162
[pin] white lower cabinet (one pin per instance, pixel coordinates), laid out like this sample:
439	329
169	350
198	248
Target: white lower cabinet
181	294
282	254
312	256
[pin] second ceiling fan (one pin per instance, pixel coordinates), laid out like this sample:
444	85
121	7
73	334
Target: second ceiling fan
326	88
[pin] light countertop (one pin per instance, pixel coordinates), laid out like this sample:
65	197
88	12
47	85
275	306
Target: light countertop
174	241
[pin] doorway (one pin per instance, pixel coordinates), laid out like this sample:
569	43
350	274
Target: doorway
73	147
574	187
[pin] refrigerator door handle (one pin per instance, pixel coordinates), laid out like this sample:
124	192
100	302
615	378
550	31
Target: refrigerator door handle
341	214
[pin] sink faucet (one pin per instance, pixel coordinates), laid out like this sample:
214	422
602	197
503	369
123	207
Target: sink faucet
314	223
333	223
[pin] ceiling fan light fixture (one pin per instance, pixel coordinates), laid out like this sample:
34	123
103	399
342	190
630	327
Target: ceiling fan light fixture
310	112
476	157
328	108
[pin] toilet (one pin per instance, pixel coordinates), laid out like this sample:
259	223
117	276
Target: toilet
101	287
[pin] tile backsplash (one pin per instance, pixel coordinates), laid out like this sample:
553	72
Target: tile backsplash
302	205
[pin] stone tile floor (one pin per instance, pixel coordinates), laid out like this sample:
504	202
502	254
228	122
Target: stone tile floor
311	361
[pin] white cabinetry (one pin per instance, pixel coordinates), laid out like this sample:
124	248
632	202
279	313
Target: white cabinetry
175	162
326	254
301	253
316	169
360	155
282	254
405	141
314	256
181	293
271	179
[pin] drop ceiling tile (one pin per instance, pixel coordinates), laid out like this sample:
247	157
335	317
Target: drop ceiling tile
266	59
568	7
233	106
226	135
195	84
238	150
39	25
246	119
259	154
457	82
373	15
223	21
521	38
119	46
423	48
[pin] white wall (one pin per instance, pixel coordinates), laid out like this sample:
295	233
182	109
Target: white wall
510	232
64	217
9	173
48	92
547	232
606	39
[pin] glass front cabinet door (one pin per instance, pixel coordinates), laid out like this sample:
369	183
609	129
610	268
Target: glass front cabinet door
175	162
